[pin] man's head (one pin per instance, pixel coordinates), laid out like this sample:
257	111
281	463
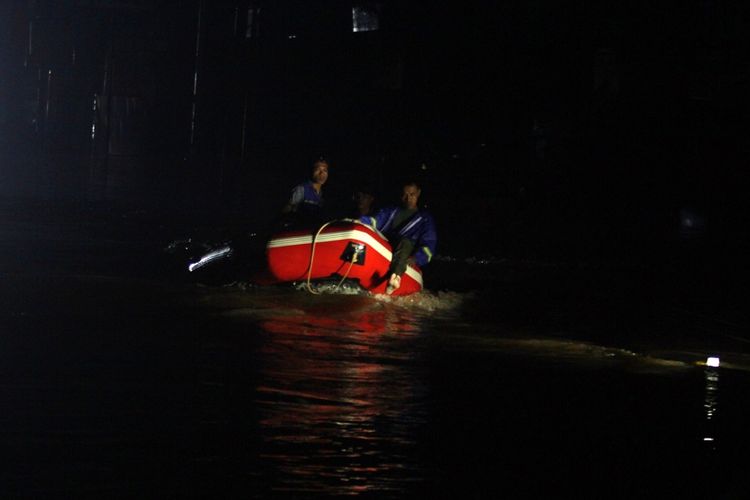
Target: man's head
363	199
319	171
410	195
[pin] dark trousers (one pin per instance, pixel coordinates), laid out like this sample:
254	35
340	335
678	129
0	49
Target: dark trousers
401	254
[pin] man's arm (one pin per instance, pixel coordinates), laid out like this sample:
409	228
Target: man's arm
427	242
298	194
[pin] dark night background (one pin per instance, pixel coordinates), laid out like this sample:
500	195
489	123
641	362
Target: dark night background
585	162
539	129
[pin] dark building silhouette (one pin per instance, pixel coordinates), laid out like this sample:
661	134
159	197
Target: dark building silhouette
530	115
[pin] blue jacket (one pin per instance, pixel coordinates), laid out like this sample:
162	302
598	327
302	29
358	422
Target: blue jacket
420	229
305	198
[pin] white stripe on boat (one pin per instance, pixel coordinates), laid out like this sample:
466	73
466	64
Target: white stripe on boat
415	275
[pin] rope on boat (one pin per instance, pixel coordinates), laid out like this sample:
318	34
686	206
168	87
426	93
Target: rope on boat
312	259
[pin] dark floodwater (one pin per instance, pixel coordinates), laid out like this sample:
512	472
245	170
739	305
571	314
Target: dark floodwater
510	381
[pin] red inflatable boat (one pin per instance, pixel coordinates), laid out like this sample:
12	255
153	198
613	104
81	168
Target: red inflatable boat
337	250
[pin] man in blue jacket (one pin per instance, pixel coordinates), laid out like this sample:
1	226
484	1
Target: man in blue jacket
306	201
410	230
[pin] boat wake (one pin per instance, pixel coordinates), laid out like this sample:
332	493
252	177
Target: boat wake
428	301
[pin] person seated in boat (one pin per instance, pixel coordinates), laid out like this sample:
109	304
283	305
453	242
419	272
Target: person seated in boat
305	204
363	199
409	229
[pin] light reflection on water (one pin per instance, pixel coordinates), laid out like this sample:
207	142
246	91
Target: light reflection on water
340	396
711	404
346	396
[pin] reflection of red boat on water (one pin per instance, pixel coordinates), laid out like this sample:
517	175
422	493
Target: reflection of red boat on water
337	250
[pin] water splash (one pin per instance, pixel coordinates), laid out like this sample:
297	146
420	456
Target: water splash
427	301
331	288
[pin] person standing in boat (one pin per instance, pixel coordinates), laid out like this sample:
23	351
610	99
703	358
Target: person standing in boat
306	202
410	230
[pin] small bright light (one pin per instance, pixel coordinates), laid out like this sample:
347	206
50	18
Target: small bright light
712	361
708	439
365	19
